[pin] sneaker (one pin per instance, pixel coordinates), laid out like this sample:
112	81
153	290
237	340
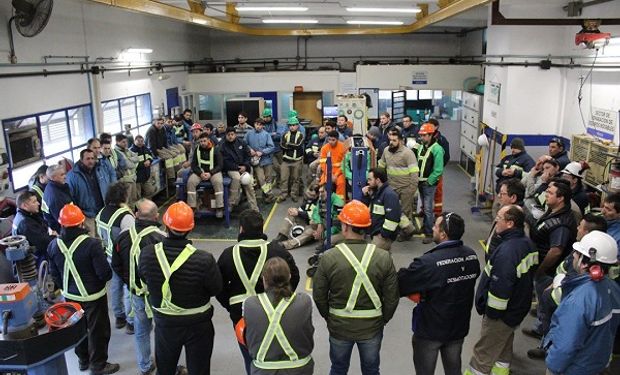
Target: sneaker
427	240
149	371
109	368
537	353
129	329
120	323
219	213
532	333
83	365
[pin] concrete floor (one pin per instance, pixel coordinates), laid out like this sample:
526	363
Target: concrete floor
396	351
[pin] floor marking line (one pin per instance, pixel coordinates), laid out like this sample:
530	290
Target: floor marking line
273	210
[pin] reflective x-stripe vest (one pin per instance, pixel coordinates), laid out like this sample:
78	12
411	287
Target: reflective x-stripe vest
361	280
205	162
248	283
113	159
104	229
275	331
294	154
422	159
39	192
70	268
134	257
167	307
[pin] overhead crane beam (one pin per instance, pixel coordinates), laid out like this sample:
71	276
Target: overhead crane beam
450	9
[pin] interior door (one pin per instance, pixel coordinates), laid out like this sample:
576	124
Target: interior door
308	106
399	98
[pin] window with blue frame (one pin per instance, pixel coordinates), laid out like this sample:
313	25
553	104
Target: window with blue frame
135	111
45	138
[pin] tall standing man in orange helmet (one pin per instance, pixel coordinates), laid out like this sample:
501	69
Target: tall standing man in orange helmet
79	267
181	281
356	291
430	162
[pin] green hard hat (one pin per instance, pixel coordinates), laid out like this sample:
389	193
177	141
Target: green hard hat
267	112
293	121
292	113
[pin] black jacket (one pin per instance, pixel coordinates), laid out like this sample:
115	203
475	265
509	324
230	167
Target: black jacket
443	142
520	162
445	277
554	229
249	258
191	286
55	196
234	154
198	167
34	227
385	212
122	247
562	159
156	138
505	288
143	173
89	259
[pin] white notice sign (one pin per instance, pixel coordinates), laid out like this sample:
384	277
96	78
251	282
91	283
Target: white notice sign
603	123
420	78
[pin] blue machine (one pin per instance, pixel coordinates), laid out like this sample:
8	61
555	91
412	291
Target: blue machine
359	161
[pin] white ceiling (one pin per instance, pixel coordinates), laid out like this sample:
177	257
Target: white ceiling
332	12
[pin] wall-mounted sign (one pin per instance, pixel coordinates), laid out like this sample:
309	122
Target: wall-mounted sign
603	123
492	92
419	78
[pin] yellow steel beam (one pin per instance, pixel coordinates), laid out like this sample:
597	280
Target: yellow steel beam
164	10
231	13
423	11
444	3
196	6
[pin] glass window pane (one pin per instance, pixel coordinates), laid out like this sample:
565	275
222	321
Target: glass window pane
285	104
54	133
437	94
412	94
76	153
80	125
57	158
21	123
128	112
22	175
426	94
111	117
210	107
143	105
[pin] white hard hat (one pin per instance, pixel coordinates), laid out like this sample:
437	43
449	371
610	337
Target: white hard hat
599	247
411	143
483	141
575	169
297	230
246	179
255	160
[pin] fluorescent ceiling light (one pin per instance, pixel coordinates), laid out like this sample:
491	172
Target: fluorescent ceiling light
363	22
270	9
275	20
139	50
199	21
384	10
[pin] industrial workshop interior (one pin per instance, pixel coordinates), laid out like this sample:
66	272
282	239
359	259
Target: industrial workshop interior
259	186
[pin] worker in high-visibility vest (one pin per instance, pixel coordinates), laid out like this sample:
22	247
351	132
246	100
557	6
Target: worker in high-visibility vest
430	161
114	218
356	291
181	281
145	183
79	268
125	258
278	324
241	266
131	163
39	182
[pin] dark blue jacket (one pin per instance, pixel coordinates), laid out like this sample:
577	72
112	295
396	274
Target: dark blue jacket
562	159
144	153
89	259
445	277
505	288
56	196
522	162
171	135
234	154
385	212
83	195
34	227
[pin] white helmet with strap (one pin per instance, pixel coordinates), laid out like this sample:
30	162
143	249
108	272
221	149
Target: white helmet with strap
599	247
246	179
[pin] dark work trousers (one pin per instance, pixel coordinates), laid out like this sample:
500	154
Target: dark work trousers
94	349
197	340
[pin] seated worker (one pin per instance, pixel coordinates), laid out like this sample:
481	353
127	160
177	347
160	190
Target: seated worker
37	185
343	127
291	234
313	150
145	183
337	150
29	223
236	161
206	166
184	173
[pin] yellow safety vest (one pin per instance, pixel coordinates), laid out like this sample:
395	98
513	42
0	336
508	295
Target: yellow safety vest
287	139
134	258
104	229
361	280
69	268
248	283
275	331
167	307
201	161
39	192
378	209
422	159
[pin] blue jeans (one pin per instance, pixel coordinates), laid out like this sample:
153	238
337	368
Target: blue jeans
119	295
427	193
340	355
142	335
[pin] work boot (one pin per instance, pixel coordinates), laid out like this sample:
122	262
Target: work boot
294	198
282	198
427	240
402	236
120	322
83	365
181	370
536	353
109	368
532	333
149	371
129	329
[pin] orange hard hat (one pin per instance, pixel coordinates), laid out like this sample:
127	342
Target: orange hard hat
196	126
180	217
63	314
427	128
240	331
71	216
356	214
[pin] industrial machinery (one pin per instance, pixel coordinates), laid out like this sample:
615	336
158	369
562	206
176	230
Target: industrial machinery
354	107
590	37
25	344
